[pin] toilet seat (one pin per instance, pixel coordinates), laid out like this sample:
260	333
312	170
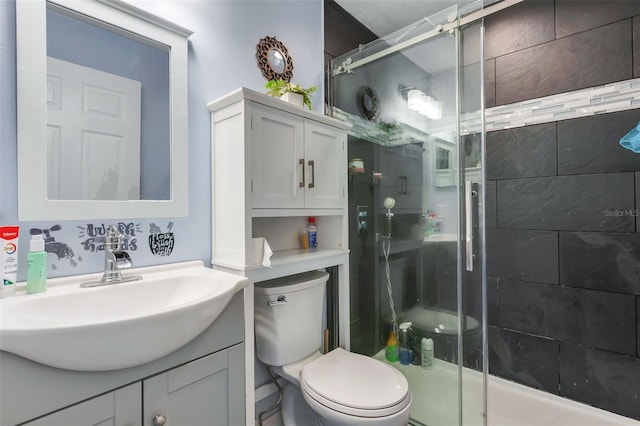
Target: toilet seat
355	385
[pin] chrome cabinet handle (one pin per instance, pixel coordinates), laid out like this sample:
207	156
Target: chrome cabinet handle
312	164
160	420
468	203
301	162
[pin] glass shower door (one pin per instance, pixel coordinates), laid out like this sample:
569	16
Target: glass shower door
415	161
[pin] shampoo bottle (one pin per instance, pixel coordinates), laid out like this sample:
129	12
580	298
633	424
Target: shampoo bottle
36	265
426	349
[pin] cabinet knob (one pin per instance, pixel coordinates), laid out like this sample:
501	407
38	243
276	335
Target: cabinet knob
160	420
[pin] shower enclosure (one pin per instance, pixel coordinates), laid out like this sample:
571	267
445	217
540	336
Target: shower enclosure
416	212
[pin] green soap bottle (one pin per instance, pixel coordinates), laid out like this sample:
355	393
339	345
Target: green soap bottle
36	265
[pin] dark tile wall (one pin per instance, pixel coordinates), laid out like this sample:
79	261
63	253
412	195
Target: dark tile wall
603	132
530	360
566	64
636	48
563	242
574	16
601	378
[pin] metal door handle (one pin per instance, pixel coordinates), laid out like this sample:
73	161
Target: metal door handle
301	162
468	212
312	164
160	420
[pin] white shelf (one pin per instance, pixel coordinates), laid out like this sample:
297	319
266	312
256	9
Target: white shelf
295	212
285	257
288	262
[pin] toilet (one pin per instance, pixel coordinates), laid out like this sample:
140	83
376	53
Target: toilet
338	388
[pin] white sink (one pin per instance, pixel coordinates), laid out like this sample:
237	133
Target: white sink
119	325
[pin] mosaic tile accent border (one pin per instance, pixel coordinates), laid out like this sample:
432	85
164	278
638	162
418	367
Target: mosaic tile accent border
620	96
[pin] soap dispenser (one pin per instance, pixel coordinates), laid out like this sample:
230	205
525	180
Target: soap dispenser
36	265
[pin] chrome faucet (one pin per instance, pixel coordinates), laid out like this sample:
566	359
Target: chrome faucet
114	260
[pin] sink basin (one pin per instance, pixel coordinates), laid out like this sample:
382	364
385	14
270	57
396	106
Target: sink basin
119	325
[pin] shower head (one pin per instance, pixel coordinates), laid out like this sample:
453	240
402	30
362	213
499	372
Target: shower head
389	202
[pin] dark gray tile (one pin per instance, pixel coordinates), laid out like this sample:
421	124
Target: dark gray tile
518	27
637	201
470	84
573	16
587	59
523	255
600	260
490	83
472	295
636	46
588	317
568	203
528	151
591	144
491	220
530	360
492	301
604	379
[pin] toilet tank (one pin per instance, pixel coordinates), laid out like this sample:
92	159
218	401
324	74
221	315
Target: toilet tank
288	317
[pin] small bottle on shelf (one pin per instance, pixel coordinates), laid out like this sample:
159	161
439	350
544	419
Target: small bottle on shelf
312	233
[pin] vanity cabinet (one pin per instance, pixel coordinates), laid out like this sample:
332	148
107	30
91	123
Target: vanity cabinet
121	407
202	383
206	391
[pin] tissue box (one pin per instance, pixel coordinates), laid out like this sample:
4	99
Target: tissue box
260	252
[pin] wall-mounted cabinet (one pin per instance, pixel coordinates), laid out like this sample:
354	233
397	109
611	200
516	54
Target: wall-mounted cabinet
296	162
401	167
273	165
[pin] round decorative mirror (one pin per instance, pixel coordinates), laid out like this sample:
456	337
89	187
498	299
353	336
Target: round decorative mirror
273	59
368	103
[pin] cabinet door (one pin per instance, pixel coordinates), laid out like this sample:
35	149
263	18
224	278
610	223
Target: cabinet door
326	165
205	392
410	178
118	408
277	152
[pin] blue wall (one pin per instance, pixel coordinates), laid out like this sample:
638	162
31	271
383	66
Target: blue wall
221	59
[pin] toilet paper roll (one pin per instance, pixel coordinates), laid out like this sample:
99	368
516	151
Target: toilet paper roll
261	251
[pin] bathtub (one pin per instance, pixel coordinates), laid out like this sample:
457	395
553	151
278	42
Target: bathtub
435	401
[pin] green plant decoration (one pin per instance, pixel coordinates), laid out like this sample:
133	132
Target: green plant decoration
278	88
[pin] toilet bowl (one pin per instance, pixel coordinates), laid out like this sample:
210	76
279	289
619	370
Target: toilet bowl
340	387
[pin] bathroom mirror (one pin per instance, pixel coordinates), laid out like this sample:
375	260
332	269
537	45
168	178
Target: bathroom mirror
102	112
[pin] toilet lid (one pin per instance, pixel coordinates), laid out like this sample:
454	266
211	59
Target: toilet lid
354	383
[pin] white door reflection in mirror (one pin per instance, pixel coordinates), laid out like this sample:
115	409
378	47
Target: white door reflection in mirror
93	129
